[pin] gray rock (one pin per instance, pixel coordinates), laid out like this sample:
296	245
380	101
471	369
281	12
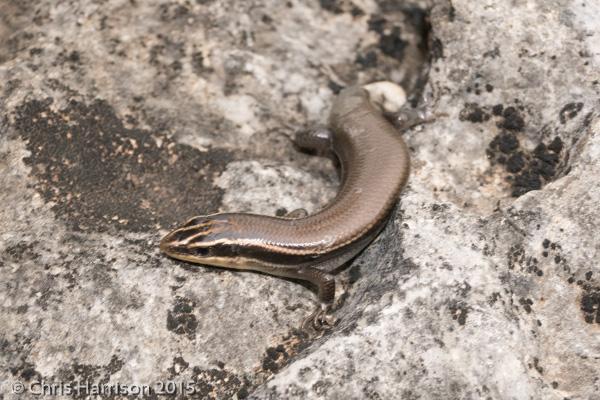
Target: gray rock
122	119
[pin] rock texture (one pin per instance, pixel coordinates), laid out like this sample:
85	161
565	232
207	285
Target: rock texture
120	119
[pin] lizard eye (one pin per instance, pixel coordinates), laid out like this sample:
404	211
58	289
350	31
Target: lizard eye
202	251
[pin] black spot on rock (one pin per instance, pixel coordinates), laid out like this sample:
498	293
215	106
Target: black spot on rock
274	358
277	356
417	17
26	371
436	207
392	44
526	182
114	365
21	251
331	6
179	365
497	110
74	57
526	303
334	87
556	145
516	256
537	366
505	142
515	162
588	275
376	23
356	11
243	393
181	319
541	153
22	309
216	383
513	121
173	12
437	49
267	19
474	113
569	111
459	312
79	372
590	305
367	60
530	169
101	175
451	13
198	64
495	52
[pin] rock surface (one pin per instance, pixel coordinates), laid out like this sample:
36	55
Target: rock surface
120	119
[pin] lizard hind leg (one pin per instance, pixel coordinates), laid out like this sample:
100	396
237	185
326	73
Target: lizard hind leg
317	140
320	319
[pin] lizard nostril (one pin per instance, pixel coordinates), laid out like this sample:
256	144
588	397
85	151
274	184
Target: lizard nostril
164	244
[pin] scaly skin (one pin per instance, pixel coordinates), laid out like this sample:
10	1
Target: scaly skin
375	167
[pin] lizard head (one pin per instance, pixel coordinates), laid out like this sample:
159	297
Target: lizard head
208	240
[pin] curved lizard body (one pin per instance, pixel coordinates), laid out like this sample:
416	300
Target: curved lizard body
375	167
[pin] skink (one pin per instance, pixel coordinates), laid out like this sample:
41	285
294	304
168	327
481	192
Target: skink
374	168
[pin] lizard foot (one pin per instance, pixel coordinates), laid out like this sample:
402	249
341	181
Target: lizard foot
319	320
297	213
